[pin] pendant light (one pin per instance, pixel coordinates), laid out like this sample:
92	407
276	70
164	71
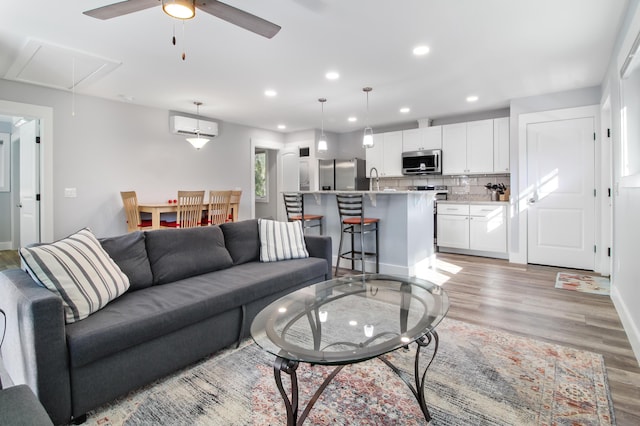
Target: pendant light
322	143
197	142
367	139
179	9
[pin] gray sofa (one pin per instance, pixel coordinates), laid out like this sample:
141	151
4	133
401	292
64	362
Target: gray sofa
193	292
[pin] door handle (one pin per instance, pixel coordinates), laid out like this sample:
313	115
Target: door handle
19	205
532	200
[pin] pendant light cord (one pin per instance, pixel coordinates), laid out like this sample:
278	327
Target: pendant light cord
322	119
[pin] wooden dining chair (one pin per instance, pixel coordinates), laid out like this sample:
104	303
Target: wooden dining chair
234	204
218	207
134	221
189	213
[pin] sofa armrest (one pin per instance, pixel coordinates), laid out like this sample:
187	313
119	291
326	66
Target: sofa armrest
35	350
320	246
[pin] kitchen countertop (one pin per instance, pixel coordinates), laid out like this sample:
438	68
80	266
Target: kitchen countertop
382	191
506	203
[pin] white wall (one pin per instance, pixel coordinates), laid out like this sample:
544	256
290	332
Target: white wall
109	146
626	198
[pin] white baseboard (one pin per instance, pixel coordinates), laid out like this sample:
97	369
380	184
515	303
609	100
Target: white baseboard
370	267
6	245
633	333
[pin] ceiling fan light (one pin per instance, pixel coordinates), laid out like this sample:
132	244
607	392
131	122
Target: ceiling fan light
367	140
198	142
179	9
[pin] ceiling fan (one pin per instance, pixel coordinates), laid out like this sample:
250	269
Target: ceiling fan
185	9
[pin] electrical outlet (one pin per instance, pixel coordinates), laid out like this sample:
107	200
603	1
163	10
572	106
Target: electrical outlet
70	193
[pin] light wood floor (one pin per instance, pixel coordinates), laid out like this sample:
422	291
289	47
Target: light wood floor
522	299
9	259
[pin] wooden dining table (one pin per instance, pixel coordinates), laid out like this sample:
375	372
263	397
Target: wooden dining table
156	209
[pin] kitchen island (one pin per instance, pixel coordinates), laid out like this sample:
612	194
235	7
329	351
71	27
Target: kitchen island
405	228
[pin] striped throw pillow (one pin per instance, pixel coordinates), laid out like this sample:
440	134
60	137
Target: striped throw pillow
79	270
281	240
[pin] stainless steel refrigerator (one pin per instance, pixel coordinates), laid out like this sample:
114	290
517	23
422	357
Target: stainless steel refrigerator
343	175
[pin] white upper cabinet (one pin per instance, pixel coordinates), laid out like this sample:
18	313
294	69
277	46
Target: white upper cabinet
468	147
480	146
392	154
501	145
422	138
411	140
386	154
374	156
454	149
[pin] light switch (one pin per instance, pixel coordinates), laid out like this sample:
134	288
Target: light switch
70	193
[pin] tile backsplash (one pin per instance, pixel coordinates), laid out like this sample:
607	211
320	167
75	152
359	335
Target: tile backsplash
463	188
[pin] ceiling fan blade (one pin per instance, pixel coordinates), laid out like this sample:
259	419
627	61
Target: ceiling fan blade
122	8
239	17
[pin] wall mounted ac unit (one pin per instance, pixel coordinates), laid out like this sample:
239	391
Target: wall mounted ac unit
188	126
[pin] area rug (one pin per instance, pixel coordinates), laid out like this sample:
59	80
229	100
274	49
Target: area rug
480	376
583	283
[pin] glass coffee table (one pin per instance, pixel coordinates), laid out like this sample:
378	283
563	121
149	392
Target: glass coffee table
349	320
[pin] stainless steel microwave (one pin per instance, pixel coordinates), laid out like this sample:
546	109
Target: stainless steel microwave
427	162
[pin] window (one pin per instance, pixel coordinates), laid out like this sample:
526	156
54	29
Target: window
262	177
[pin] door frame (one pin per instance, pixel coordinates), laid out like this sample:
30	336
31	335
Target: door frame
45	116
524	193
605	259
271	145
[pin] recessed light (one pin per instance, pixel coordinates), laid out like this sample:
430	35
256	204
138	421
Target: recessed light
472	98
270	93
332	75
352	119
420	50
282	126
405	110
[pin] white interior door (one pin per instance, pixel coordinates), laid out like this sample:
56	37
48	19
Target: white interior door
290	176
561	201
29	184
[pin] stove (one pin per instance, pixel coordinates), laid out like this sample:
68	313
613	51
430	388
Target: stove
431	188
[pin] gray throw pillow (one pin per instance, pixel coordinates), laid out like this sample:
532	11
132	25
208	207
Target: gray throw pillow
242	240
175	254
130	254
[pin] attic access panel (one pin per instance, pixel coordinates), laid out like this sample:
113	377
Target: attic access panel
59	67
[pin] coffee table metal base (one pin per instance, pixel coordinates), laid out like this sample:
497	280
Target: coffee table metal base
289	367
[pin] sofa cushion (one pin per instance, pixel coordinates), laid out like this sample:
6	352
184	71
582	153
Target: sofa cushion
130	254
242	240
175	254
79	270
281	240
141	316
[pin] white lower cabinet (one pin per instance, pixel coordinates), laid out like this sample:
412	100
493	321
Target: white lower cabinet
488	228
474	227
453	225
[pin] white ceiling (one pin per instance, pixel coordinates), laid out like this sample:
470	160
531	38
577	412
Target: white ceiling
495	49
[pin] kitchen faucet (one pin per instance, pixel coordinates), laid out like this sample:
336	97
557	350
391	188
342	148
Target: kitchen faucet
371	179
